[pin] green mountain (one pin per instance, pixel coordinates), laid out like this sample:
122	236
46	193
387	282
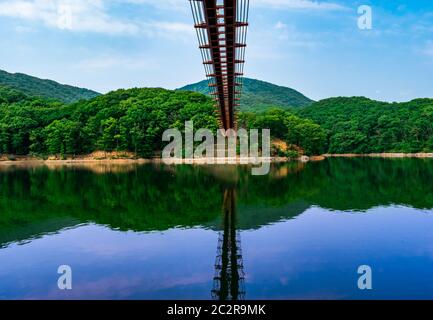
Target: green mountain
259	95
44	88
134	120
362	125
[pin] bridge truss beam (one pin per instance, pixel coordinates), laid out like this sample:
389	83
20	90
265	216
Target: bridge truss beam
221	27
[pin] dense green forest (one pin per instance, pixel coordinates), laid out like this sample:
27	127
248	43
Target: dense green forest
127	120
361	125
259	95
44	88
123	120
293	130
134	120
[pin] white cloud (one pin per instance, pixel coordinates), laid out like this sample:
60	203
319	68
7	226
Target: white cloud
297	4
73	15
183	6
174	5
86	16
94	15
118	62
279	25
167	29
292	37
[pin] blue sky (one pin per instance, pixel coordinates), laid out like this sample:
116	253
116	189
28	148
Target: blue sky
315	47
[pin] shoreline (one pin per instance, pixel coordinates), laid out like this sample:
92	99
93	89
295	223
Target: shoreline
36	161
83	160
395	155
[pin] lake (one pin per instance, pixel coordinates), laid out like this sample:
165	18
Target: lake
216	232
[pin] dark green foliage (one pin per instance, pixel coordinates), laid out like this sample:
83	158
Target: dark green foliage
361	125
22	118
258	95
288	127
44	88
135	119
123	120
62	137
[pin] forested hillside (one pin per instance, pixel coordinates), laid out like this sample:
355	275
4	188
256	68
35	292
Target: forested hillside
135	119
361	125
295	131
44	88
258	95
123	120
127	120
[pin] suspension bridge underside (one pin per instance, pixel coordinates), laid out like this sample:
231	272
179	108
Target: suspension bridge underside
222	30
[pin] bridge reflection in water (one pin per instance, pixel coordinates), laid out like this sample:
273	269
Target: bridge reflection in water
229	280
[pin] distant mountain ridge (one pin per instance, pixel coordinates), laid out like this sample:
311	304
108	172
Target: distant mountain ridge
259	95
49	89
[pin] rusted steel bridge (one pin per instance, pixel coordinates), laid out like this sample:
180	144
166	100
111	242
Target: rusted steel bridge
221	27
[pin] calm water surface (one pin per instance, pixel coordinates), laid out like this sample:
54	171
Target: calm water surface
155	232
